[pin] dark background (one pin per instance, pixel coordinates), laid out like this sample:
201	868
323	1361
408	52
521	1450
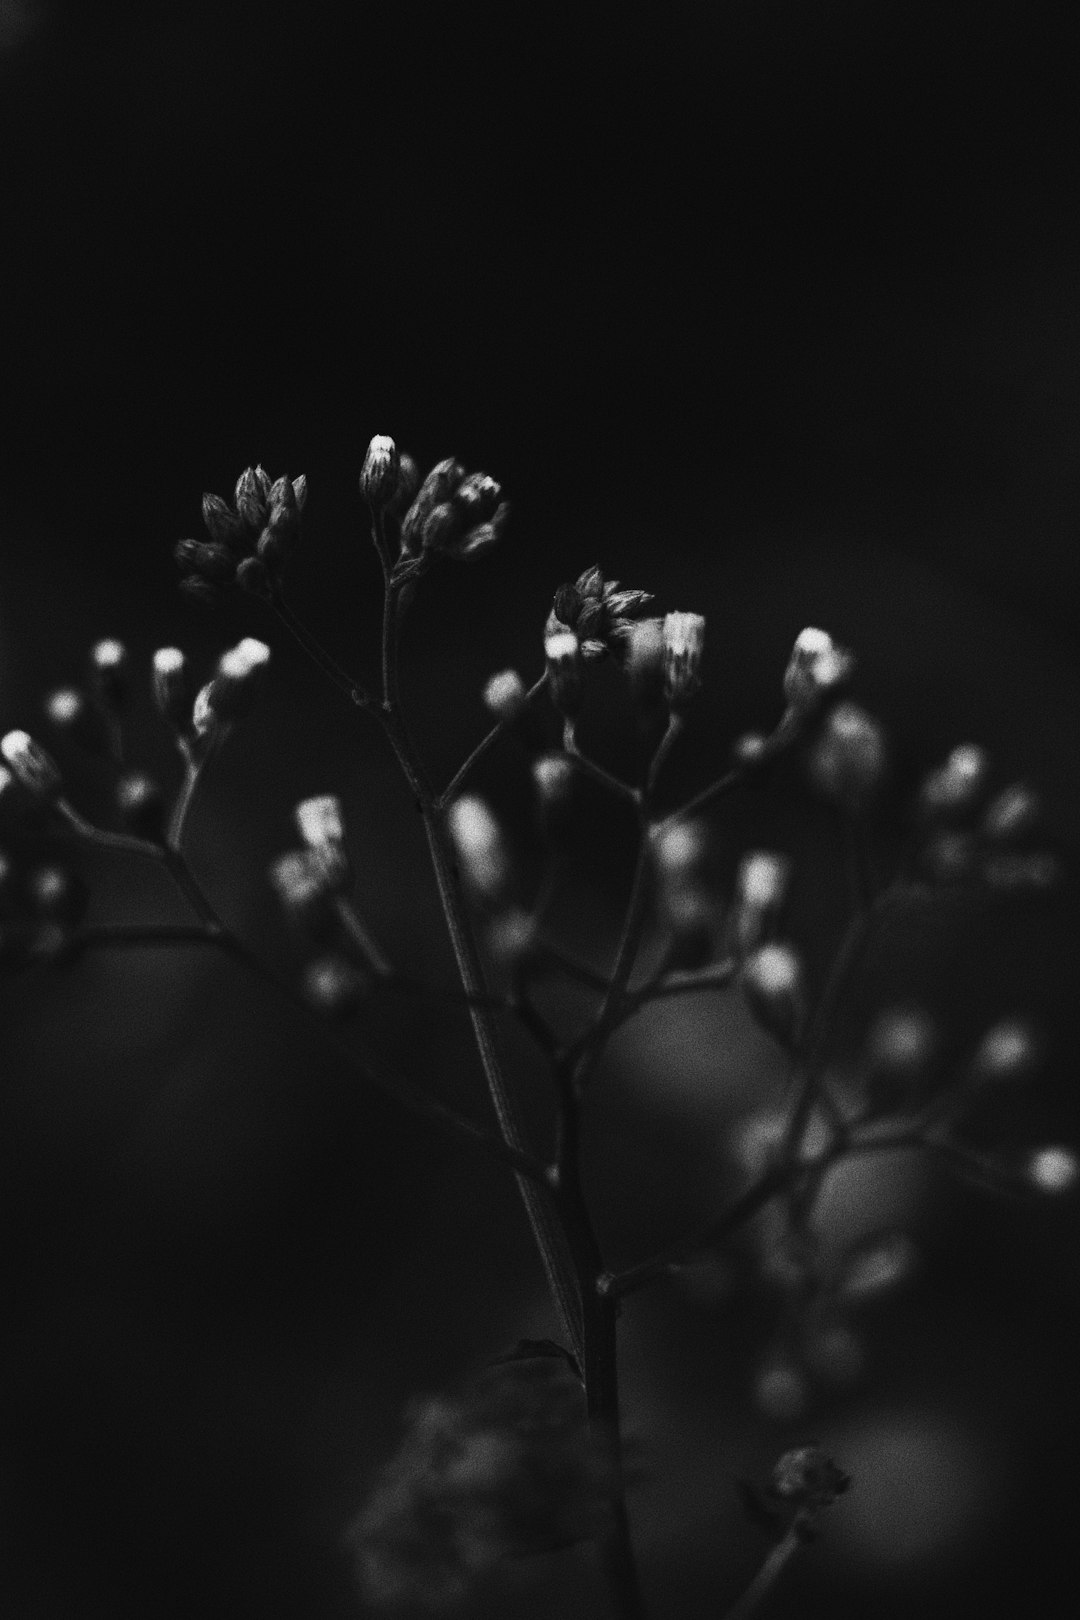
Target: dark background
770	308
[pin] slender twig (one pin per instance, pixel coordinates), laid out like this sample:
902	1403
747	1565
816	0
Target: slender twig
456	782
123	935
760	1192
777	1561
775	744
333	671
589	767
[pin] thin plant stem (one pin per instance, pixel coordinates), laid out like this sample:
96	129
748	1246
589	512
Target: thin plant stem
457	781
767	1576
329	667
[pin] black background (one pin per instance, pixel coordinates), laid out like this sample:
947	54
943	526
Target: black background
770	308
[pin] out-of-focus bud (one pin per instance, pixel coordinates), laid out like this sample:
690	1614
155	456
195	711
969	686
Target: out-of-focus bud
1013	814
955	789
1008	1051
679	851
564	671
481	851
553	775
505	697
306	892
780	1390
334	986
408	483
380	475
772	982
320	820
644	654
684	644
761	885
109	668
207	559
141	805
849	758
200	590
239	675
35	769
250	498
684	902
68	710
171	687
1053	1170
834	1353
899	1050
512	936
748	749
875	1265
817	666
948	856
253	575
57	893
1019	872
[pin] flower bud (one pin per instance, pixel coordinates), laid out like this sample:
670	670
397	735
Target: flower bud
477	498
320	820
109	666
948	856
1020	872
207	559
684	643
239	674
57	893
334	986
849	758
956	788
68	710
901	1046
380	475
505	697
875	1265
250	498
1053	1169
1007	1051
564	671
553	775
761	884
772	982
481	850
816	667
171	687
222	524
512	936
808	1479
35	769
141	805
1013	814
679	850
436	489
482	537
305	890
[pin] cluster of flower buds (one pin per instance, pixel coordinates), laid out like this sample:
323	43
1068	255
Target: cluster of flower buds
816	669
454	513
249	541
502	1470
970	832
598	611
229	694
685	899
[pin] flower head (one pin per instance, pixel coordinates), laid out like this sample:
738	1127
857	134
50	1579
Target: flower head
249	540
598	611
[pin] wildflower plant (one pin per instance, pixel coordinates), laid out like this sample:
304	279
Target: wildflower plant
529	1456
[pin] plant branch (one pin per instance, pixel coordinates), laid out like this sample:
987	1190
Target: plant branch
453	787
777	1561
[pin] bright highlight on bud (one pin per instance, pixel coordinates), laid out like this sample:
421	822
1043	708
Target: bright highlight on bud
1054	1169
1008	1051
956	787
772	981
229	694
761	884
481	851
816	667
35	769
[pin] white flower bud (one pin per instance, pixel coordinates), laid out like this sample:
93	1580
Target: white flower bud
380	475
108	662
684	644
1053	1169
955	788
761	884
35	769
481	850
320	820
816	666
334	986
170	686
772	981
1013	814
239	673
679	850
1008	1051
505	696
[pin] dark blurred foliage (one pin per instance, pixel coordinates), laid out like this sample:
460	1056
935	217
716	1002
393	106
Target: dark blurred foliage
769	309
